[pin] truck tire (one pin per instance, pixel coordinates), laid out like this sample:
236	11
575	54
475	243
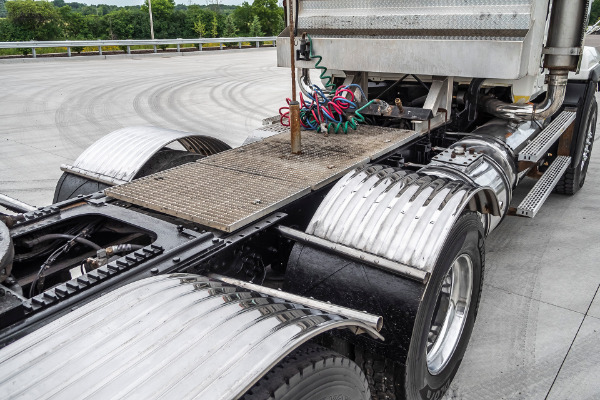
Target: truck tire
574	177
70	185
312	373
446	315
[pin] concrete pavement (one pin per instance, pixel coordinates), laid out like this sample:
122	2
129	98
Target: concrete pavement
52	110
536	336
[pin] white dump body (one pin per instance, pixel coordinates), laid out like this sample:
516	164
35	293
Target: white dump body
497	39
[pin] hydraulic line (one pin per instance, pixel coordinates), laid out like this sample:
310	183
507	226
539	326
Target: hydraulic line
39	279
54	236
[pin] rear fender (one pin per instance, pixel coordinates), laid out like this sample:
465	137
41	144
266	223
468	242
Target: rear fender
399	215
177	336
117	157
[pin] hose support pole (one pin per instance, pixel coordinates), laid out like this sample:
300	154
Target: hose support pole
294	105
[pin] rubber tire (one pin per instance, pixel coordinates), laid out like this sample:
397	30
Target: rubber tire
312	373
70	185
466	236
574	176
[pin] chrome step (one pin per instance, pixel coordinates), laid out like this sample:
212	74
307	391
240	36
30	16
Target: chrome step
539	146
534	200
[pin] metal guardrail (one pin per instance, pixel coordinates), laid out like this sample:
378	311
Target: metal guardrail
68	44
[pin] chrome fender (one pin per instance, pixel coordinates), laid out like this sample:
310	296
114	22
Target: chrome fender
177	336
396	214
117	157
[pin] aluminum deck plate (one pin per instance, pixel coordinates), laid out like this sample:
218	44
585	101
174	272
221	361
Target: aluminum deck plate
232	189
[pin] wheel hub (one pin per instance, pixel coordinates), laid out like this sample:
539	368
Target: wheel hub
450	314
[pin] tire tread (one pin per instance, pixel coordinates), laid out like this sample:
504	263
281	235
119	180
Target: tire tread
304	361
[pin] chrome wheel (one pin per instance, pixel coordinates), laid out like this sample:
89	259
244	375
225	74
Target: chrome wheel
589	140
450	314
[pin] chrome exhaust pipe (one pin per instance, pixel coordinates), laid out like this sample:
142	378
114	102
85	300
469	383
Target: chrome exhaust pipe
555	96
563	52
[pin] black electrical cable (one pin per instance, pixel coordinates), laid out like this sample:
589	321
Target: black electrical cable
46	264
64	248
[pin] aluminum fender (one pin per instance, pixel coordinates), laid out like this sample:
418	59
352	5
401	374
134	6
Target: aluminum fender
117	157
178	336
396	214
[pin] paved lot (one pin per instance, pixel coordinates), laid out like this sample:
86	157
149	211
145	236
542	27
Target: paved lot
537	335
50	111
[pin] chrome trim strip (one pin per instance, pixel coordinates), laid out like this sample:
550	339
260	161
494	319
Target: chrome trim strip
378	262
374	321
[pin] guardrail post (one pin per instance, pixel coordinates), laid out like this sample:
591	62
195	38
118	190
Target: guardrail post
100	50
33	52
155	49
257	44
221	45
68	51
178	48
199	46
128	49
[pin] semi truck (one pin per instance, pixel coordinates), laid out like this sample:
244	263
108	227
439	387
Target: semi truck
340	252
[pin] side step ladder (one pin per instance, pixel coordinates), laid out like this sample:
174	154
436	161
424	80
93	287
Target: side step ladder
534	200
534	152
539	146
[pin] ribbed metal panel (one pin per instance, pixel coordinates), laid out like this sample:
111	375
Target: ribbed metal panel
168	337
117	157
395	214
419	17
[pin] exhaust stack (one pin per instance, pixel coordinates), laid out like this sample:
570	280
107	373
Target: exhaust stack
563	51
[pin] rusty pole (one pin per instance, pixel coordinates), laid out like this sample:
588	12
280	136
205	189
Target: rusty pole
294	105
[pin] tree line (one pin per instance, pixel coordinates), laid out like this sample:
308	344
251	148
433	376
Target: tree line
23	20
